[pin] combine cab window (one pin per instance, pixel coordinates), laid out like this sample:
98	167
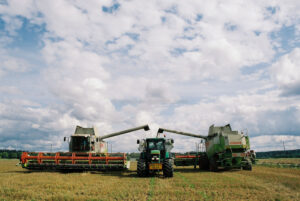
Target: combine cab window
80	144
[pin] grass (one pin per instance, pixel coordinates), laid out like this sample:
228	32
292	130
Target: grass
263	183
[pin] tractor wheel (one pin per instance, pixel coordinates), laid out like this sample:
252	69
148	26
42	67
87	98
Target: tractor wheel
248	166
213	165
168	168
141	168
203	162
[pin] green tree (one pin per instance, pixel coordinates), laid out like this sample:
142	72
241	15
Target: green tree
13	155
0	155
4	155
19	154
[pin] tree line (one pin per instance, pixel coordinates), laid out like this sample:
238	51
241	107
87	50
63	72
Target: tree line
279	154
10	154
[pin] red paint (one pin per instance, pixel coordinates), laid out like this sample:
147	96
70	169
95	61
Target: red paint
185	156
75	157
235	143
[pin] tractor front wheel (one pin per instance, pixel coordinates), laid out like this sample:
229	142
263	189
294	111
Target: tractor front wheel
141	168
168	168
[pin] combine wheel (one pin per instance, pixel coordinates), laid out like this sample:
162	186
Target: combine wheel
213	165
203	162
141	168
168	168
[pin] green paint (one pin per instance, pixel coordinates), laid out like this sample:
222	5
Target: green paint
155	152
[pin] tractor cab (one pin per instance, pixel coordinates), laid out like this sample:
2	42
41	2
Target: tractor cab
155	148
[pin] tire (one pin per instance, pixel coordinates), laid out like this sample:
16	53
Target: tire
141	168
248	166
203	162
213	165
168	168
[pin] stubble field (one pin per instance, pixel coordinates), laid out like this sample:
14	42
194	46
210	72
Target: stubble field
263	183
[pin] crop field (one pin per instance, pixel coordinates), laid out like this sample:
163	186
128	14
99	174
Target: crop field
263	183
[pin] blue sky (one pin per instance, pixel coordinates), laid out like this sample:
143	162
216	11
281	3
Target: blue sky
119	64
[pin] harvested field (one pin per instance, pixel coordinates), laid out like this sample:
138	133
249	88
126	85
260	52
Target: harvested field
280	162
263	183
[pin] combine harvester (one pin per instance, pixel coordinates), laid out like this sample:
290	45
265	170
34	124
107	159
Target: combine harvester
225	149
87	151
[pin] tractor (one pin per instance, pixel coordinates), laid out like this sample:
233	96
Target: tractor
155	157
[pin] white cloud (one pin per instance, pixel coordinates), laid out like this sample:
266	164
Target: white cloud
178	64
260	114
9	90
286	73
275	143
10	64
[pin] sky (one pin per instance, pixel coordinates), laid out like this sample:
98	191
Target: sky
181	65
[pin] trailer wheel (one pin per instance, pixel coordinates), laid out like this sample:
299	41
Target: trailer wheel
141	168
168	168
213	165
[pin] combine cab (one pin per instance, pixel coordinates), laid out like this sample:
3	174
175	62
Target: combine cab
87	151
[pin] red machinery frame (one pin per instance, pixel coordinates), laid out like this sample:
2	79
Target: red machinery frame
74	157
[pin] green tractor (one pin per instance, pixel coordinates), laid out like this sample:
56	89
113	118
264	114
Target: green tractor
225	148
155	156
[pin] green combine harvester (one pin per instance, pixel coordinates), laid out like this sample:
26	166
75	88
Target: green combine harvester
225	149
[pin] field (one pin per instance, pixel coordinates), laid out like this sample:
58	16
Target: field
280	161
263	183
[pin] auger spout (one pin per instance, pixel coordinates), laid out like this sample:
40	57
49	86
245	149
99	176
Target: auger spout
161	130
145	127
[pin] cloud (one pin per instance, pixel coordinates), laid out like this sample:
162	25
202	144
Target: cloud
9	64
9	90
260	114
275	143
286	73
177	64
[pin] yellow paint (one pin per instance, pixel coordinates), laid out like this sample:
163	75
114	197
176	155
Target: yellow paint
155	166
